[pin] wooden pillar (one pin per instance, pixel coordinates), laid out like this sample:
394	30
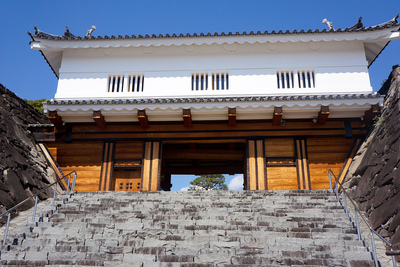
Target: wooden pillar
256	178
303	172
107	166
151	166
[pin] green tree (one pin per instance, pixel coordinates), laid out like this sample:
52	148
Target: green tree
37	104
208	182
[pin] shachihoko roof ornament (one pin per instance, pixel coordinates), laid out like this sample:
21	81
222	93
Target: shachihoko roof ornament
90	31
329	24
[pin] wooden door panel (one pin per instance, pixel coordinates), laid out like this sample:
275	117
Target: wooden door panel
127	180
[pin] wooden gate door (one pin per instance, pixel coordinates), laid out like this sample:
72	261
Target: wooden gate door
127	179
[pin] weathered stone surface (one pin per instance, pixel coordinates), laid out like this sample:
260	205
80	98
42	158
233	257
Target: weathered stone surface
293	237
375	177
382	194
23	170
382	214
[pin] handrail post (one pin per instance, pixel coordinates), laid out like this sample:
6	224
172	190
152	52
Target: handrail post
336	192
373	249
69	178
6	231
357	225
330	179
393	258
34	210
73	183
345	205
54	195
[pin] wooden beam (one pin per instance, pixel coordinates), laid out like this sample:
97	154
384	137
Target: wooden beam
232	116
237	168
187	118
56	120
323	115
349	159
277	118
143	120
203	154
53	163
370	114
99	119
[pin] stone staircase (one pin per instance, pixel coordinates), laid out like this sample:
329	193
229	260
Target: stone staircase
193	229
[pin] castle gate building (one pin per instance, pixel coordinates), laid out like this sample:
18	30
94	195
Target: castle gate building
280	107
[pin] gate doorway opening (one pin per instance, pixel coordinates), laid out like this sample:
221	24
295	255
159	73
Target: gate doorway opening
185	160
181	182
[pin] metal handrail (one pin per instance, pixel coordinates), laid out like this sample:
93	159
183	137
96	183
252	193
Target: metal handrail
72	188
356	212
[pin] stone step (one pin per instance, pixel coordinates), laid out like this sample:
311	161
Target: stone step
245	228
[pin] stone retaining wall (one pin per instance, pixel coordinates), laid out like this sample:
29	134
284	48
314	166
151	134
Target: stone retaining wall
374	177
23	170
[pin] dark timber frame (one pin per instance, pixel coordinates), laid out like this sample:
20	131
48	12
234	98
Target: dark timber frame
271	157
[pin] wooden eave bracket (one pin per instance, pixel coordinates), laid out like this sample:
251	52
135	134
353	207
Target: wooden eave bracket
99	119
277	118
187	118
323	115
370	114
232	117
143	120
56	120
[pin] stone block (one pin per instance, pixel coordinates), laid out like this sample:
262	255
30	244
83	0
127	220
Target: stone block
12	255
122	264
138	258
219	244
36	255
128	226
104	257
66	256
357	255
151	242
39	242
175	258
150	250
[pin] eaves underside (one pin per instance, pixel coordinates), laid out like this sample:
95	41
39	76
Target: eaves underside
295	107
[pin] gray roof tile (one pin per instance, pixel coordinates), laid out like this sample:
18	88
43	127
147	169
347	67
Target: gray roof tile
210	99
355	28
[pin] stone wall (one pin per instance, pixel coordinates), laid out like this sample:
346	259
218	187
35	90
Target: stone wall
23	169
374	177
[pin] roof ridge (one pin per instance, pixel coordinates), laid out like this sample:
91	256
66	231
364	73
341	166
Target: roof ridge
355	28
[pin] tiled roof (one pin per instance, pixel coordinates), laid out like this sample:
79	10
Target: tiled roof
358	27
211	99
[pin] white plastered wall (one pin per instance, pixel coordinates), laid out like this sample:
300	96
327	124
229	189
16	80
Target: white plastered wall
339	67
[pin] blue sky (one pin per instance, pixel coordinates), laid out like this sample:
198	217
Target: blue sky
26	73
